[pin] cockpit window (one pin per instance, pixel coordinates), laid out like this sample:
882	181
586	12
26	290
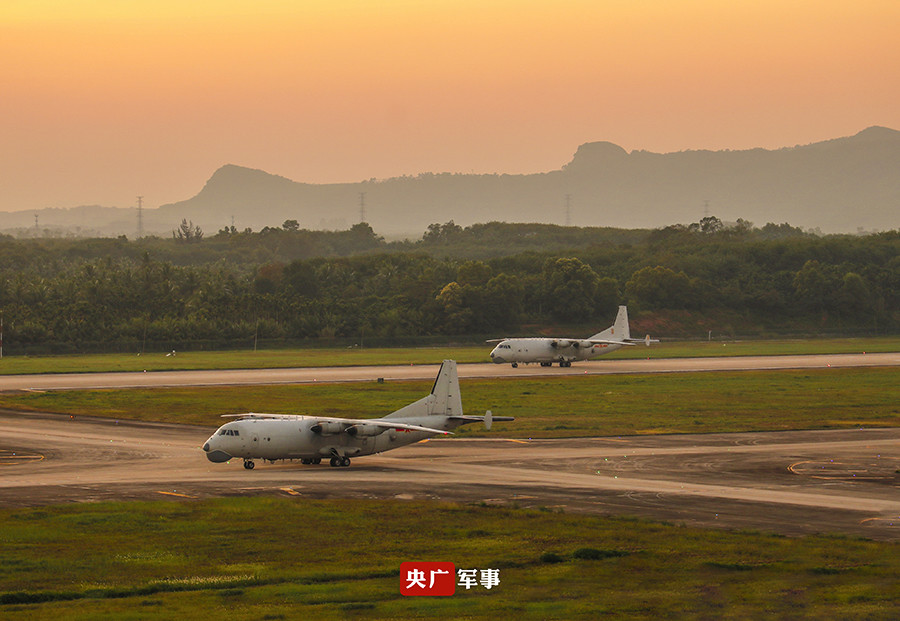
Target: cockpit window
229	432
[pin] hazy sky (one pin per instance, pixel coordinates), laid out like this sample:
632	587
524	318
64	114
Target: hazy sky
102	100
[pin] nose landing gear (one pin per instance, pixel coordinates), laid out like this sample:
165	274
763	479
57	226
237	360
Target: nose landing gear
249	465
340	462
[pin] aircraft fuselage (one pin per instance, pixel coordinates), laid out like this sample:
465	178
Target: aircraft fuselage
548	350
310	437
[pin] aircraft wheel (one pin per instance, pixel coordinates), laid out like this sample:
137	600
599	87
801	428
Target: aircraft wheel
317	460
546	364
336	462
305	461
515	365
249	465
345	462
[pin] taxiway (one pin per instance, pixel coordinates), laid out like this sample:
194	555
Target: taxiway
788	482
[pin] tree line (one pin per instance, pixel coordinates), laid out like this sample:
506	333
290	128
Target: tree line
678	281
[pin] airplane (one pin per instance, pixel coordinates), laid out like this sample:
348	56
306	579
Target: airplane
310	439
549	350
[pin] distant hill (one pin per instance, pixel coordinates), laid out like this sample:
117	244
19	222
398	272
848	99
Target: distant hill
839	185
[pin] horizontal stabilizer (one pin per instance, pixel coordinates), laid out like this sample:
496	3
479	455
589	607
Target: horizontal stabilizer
646	340
487	419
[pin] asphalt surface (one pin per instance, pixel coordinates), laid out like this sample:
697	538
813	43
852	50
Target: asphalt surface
81	381
793	483
788	482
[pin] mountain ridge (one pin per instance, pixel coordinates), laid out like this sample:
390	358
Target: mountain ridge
839	185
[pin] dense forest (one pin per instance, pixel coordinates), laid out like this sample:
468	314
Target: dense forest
285	284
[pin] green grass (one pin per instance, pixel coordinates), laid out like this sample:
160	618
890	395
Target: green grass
427	355
587	405
273	558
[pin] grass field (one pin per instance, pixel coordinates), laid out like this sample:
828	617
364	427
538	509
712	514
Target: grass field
588	405
271	558
280	558
268	359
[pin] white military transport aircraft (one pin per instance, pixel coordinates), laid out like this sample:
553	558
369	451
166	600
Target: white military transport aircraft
311	438
549	350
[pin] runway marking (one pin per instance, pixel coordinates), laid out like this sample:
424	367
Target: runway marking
18	458
176	494
860	474
290	491
882	519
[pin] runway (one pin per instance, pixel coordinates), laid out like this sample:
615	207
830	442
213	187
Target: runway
308	375
787	482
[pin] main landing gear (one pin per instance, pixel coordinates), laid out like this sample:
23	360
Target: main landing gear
340	462
249	465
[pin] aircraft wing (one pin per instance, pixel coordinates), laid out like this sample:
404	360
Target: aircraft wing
495	340
390	425
606	342
350	422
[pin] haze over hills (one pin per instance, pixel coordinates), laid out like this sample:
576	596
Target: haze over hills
839	185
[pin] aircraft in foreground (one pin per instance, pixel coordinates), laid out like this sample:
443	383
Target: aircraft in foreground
312	438
546	350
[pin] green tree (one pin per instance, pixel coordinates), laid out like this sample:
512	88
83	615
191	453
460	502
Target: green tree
813	286
855	297
653	288
570	289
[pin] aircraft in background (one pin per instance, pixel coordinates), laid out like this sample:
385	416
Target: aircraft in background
546	351
312	438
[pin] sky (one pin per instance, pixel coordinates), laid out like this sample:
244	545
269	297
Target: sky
105	100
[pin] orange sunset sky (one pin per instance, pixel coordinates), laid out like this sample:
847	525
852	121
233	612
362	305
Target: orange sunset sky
103	100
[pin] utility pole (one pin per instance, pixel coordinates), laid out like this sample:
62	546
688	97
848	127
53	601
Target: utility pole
140	214
362	206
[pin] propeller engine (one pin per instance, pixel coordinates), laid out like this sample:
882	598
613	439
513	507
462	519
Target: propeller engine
327	428
366	430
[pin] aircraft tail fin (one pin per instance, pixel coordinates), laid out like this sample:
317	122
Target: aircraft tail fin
619	331
444	399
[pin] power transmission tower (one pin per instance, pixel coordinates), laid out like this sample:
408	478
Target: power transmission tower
362	206
140	216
